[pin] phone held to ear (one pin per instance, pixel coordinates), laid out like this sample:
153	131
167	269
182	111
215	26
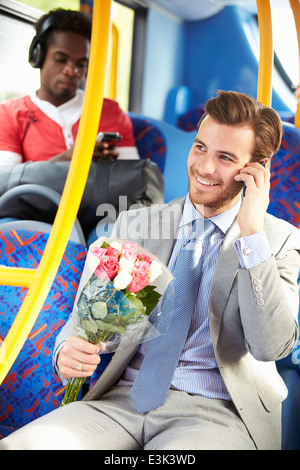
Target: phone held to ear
245	187
112	138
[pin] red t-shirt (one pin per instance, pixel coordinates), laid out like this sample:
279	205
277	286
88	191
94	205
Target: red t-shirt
26	130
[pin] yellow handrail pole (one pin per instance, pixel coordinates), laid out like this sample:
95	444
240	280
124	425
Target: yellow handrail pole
112	93
17	276
295	6
264	86
73	190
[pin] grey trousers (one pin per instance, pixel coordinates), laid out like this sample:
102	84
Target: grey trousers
184	422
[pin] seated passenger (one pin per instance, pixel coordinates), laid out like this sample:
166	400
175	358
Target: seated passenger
44	125
210	382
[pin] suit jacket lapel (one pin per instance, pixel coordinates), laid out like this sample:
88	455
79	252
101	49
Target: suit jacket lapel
163	229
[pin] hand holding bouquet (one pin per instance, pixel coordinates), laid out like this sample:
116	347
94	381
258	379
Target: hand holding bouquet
115	304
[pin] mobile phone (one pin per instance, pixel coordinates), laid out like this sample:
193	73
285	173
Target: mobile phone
112	138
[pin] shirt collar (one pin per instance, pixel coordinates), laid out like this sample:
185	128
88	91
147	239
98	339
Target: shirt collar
223	221
64	115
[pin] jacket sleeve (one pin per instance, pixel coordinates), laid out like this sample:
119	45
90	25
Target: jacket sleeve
269	302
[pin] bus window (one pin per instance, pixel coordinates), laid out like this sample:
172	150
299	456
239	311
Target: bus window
47	5
123	18
286	43
17	77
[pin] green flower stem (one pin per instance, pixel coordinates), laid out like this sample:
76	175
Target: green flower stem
73	389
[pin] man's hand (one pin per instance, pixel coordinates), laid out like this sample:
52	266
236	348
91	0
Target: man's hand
256	200
77	358
103	150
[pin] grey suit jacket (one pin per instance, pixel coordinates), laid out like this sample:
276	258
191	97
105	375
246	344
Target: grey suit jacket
249	331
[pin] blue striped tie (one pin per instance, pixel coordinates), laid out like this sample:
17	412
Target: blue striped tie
153	381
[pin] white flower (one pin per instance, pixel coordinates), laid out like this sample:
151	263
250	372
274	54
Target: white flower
122	280
126	265
116	246
154	270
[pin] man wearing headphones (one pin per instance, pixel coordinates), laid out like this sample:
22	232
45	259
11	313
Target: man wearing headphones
44	126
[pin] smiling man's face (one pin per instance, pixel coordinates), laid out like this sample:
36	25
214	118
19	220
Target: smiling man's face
218	153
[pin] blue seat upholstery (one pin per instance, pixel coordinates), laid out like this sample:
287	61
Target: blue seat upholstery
189	120
150	141
179	101
31	388
285	177
174	145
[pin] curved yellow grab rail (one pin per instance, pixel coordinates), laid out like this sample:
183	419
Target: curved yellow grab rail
264	86
40	283
295	6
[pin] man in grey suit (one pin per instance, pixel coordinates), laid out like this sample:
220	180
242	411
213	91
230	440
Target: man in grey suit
225	392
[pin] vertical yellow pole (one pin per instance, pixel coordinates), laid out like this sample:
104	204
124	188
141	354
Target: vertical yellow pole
114	64
74	187
264	86
295	5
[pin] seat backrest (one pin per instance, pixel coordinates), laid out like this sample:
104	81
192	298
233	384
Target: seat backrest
31	388
179	101
189	120
168	146
150	141
285	177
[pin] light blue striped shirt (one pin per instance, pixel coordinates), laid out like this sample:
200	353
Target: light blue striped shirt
197	371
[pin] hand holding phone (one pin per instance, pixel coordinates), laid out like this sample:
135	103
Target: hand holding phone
256	199
106	143
111	138
262	163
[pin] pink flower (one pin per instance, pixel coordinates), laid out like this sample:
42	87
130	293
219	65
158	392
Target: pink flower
140	273
98	252
109	264
128	250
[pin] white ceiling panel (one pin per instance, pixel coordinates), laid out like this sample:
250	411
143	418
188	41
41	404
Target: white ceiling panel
200	9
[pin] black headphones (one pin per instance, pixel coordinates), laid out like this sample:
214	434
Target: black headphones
37	50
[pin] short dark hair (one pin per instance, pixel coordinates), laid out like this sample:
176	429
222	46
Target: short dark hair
65	20
238	109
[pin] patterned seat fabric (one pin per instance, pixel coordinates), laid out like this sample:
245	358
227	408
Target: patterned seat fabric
150	141
188	121
285	178
31	388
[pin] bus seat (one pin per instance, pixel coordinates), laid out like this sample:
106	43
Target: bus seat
285	177
177	145
150	141
287	116
31	388
284	203
189	120
179	100
11	198
289	369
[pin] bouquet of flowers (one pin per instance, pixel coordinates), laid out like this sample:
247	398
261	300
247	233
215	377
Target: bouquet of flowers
113	308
